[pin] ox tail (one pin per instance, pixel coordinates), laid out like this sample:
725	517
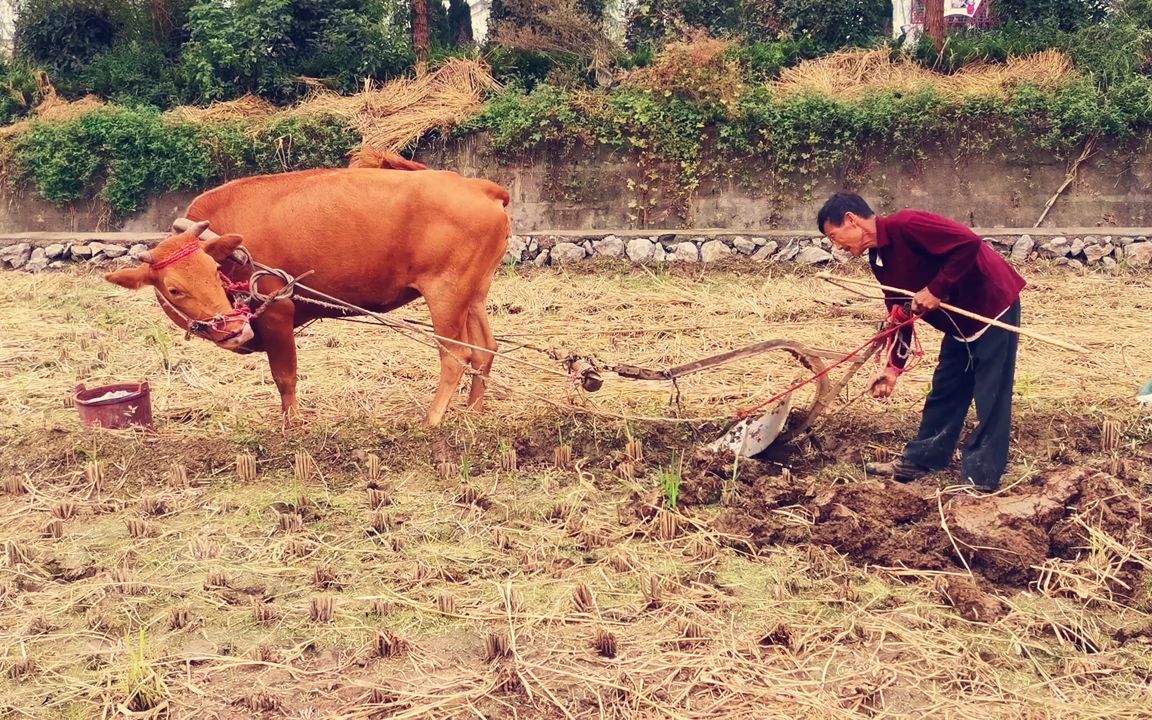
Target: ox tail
495	192
370	157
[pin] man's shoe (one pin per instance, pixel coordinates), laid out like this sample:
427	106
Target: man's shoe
899	470
977	488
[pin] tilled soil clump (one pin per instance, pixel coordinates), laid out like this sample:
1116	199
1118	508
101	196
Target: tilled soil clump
1003	538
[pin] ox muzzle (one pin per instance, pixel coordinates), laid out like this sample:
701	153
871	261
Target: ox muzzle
230	330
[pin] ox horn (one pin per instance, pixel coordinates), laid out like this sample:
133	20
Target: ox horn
199	229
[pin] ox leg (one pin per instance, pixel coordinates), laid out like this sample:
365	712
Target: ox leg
480	334
449	320
280	343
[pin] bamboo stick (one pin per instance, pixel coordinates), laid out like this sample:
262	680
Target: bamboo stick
960	311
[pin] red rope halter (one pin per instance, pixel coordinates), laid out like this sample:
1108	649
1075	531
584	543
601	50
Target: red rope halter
218	324
182	252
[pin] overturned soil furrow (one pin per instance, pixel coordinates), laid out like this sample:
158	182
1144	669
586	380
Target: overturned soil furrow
1005	538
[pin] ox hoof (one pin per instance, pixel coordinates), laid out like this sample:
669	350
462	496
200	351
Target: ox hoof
292	418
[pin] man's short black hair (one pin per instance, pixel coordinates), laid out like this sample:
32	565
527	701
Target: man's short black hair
840	205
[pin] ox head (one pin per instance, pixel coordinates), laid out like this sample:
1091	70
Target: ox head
184	271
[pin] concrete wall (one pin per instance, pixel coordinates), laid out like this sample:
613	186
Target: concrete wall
7	24
603	189
590	189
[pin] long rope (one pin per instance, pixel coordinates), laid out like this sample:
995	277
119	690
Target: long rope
420	331
888	334
406	326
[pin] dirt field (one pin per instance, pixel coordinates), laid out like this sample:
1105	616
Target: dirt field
375	569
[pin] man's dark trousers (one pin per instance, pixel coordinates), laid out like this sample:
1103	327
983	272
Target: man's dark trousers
984	370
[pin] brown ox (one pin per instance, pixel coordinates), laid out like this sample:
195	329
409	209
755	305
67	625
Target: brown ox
377	235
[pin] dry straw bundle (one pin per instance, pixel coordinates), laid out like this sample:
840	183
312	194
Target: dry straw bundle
248	107
53	107
398	113
854	74
390	117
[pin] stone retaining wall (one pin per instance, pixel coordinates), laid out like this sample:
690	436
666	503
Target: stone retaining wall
544	249
40	252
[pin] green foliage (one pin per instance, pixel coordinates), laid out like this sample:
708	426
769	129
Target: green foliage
830	26
820	26
460	29
652	22
19	91
1112	52
671	127
133	72
995	45
65	35
763	61
514	10
362	40
1137	11
297	143
118	49
670	479
1062	14
690	110
797	139
125	155
518	67
264	46
1115	52
1067	117
237	48
161	52
514	117
668	128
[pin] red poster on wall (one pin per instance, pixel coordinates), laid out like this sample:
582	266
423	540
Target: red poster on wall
961	8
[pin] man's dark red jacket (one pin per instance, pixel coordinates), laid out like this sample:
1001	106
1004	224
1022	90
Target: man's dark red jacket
916	250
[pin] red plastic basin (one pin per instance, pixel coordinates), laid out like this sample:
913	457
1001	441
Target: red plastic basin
115	406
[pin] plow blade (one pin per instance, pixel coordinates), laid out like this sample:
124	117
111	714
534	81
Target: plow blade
752	436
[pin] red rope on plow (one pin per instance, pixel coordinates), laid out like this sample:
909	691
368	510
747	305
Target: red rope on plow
898	319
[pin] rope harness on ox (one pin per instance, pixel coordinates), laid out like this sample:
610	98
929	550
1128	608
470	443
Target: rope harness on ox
248	303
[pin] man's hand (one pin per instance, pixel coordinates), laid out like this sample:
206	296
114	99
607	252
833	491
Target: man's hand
924	301
884	385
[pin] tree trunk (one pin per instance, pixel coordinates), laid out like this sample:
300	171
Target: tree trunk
934	22
420	39
460	23
163	21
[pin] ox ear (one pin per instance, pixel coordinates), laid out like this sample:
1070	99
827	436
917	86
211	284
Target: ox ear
221	248
132	278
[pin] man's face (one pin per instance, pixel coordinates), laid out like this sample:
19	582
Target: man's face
848	236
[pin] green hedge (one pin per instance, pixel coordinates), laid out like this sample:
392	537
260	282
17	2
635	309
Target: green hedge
126	155
812	135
